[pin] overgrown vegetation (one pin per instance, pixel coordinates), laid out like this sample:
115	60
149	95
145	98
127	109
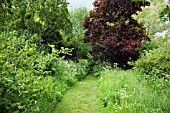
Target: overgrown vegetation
129	92
145	89
165	14
156	63
33	47
32	81
42	54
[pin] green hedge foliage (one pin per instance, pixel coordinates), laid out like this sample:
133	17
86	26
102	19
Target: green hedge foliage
156	62
32	81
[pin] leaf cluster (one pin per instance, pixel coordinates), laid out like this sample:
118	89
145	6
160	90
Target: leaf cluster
165	14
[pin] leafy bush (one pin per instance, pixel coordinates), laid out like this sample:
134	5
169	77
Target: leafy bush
32	81
156	62
113	33
128	92
70	71
148	45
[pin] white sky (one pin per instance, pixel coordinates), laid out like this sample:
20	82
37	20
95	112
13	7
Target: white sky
78	3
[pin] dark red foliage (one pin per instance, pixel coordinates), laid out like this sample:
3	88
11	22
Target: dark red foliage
113	33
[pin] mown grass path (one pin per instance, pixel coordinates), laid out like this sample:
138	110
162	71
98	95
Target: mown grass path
81	98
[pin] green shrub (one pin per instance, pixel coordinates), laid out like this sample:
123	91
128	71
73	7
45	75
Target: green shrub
71	71
32	81
94	66
156	62
128	92
22	84
148	45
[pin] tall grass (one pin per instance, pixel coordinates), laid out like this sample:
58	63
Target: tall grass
128	92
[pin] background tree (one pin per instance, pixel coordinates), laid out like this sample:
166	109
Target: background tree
113	33
44	17
156	26
76	41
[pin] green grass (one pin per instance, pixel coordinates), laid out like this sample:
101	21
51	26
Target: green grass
128	92
81	98
116	91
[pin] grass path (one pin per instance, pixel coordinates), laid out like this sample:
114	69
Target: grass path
81	98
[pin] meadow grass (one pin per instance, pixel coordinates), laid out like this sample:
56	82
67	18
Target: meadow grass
129	92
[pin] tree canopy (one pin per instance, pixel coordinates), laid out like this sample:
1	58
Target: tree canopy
113	33
44	17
